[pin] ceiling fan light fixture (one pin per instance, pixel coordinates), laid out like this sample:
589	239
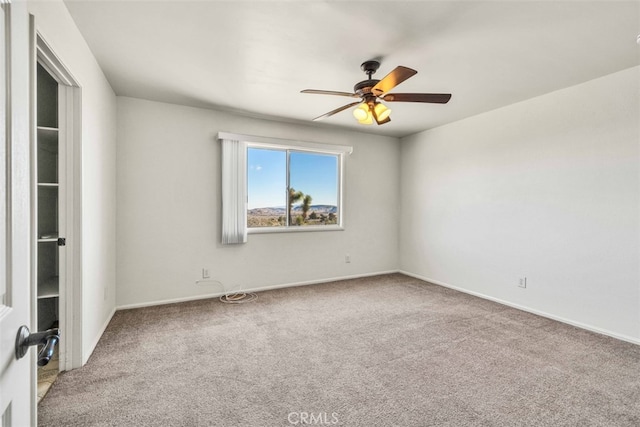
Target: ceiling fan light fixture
382	112
367	120
361	112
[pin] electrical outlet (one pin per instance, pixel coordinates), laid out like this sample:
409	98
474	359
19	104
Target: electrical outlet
347	258
522	283
205	273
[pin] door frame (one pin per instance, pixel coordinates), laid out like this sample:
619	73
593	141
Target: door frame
69	136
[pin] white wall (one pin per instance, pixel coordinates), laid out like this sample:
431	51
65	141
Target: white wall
169	208
547	189
56	27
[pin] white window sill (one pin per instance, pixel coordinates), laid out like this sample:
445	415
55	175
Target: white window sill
295	229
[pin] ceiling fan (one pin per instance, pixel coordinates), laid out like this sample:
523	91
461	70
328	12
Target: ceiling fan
371	90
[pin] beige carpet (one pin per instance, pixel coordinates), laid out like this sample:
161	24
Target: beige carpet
382	351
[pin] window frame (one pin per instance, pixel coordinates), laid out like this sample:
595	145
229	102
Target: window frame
341	151
288	228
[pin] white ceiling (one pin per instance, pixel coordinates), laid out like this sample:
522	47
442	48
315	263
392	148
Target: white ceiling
254	57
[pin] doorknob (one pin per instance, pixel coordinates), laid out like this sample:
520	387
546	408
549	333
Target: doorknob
48	339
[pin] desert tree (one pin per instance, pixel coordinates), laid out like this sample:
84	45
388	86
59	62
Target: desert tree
306	205
293	197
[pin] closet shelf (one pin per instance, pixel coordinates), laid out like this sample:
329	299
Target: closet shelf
46	129
49	288
48	240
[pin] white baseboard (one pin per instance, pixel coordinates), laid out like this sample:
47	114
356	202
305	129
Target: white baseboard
87	355
528	309
260	289
169	301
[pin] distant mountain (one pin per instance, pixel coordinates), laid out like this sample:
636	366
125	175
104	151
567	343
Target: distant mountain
280	211
318	208
267	211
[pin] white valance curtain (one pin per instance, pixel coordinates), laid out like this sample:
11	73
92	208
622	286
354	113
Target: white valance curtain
234	191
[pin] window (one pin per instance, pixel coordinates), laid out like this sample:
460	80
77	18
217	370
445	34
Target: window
291	188
272	185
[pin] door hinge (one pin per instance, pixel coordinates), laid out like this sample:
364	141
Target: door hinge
62	241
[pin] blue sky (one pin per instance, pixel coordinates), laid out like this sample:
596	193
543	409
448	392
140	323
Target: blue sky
311	173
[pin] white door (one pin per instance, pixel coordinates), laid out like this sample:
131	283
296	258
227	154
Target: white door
17	385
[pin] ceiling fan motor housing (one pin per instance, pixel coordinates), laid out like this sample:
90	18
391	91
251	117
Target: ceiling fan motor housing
364	87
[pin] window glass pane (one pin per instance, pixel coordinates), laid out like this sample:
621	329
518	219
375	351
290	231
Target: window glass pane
266	187
314	179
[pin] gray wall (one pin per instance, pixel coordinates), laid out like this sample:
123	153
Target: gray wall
547	189
169	208
57	28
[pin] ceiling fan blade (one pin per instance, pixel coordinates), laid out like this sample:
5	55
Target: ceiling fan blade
337	110
330	92
393	79
435	98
